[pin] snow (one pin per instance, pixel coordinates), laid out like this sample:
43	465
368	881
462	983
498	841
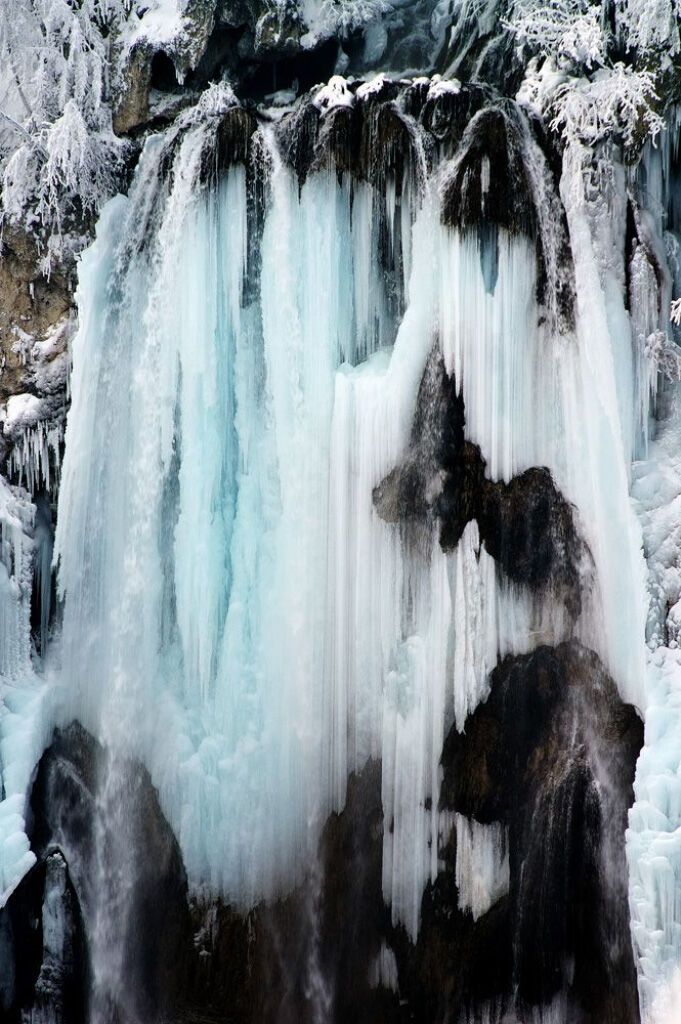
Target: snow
372	87
443	87
160	25
334	94
20	412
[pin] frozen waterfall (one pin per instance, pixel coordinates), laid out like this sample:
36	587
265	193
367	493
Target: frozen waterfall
267	577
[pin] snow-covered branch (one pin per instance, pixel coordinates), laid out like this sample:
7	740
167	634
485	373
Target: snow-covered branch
55	67
576	77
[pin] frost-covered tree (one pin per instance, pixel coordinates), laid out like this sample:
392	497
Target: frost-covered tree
650	27
59	156
594	68
564	30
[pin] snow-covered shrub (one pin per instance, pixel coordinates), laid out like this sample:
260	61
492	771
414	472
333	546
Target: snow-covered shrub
561	29
58	153
665	355
576	77
650	26
617	100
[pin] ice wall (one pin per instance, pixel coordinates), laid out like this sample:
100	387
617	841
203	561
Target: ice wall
24	698
654	834
236	613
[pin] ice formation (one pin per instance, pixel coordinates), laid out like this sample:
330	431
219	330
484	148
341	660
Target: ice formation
246	609
235	611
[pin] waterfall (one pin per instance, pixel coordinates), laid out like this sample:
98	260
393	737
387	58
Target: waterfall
237	614
349	573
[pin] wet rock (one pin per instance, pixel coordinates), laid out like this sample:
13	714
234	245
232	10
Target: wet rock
315	948
412	490
488	180
218	965
233	142
552	754
44	956
447	113
530	757
278	31
480	48
369	140
528	527
435	991
526	524
70	813
60	986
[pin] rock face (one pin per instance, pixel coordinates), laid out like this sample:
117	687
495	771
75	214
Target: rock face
551	753
31	306
55	908
44	952
525	524
532	757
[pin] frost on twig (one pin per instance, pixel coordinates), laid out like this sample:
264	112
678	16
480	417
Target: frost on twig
617	100
561	29
664	354
59	157
573	79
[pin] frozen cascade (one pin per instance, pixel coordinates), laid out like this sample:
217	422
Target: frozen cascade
217	558
24	699
654	834
242	613
481	864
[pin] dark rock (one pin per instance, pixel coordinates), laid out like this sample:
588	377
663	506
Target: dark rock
233	142
488	180
101	828
447	116
315	948
278	31
530	758
44	952
370	141
528	527
526	524
552	754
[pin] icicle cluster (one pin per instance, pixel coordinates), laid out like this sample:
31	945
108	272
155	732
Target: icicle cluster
237	614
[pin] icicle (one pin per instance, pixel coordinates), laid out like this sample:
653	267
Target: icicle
254	629
482	869
35	458
22	697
